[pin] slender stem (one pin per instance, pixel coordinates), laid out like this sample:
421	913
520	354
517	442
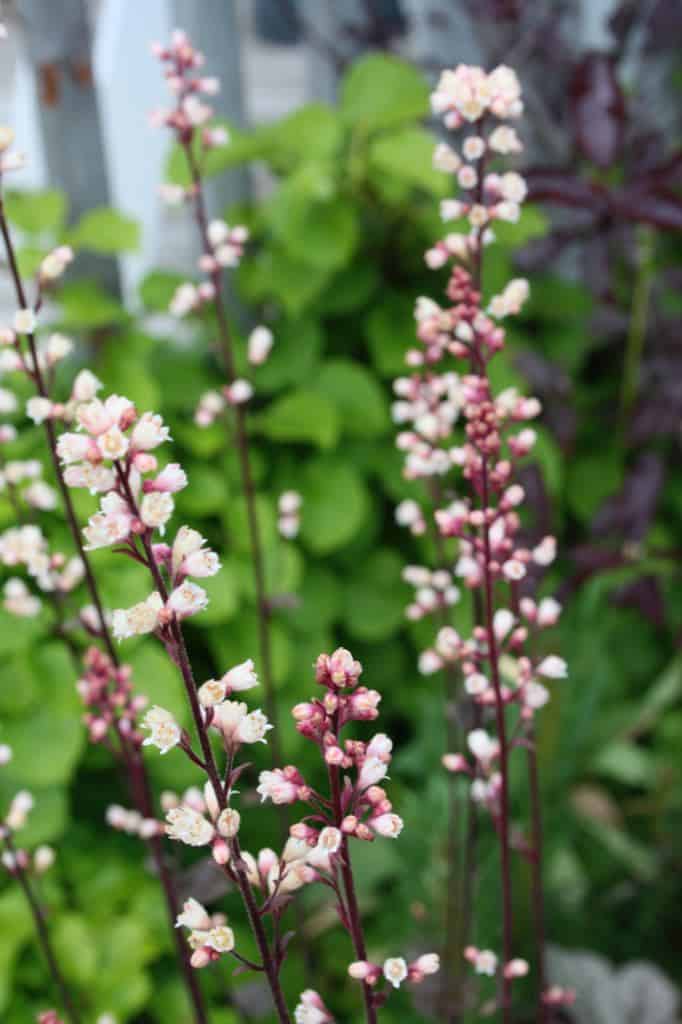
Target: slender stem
354	918
244	455
44	936
536	877
135	768
638	321
503	830
180	655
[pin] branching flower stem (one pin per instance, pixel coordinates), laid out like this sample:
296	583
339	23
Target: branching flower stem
133	762
177	651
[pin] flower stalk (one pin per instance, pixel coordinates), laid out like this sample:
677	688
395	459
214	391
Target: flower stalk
133	764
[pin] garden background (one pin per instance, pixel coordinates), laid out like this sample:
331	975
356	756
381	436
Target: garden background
341	200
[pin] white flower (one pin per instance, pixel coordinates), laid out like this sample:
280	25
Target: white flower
72	447
24	321
21	806
156	509
553	667
43	859
38	409
445	159
482	746
388	825
201	563
113	443
164	731
186	542
5	753
18	599
504	140
253	728
194	916
58	347
395	970
8	402
149	432
188	826
85	386
212	692
241	677
221	939
485	962
228	822
260	343
187	599
141	618
373	770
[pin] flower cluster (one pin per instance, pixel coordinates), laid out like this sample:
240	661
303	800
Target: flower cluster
209	934
107	694
113	454
395	970
289	514
18	860
453	425
26	547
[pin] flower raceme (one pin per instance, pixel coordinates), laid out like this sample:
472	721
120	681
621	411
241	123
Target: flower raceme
466	443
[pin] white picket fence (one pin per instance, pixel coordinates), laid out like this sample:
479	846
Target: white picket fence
263	82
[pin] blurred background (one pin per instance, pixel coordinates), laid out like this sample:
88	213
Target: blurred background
330	167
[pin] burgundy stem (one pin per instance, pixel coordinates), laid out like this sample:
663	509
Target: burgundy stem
135	768
244	455
503	830
354	918
43	934
181	657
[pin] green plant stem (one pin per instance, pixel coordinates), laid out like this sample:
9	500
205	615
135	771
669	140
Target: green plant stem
639	313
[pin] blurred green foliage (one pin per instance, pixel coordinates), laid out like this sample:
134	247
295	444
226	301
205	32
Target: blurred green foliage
335	266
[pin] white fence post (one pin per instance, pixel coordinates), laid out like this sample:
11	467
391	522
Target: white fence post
58	42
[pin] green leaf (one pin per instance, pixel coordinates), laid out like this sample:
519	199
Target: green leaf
15	927
312	133
375	599
207	493
314	224
335	504
407	156
240	148
158	287
591	478
35	212
105	231
361	402
301	416
276	273
155	676
85	306
390	332
626	763
294	357
76	948
380	91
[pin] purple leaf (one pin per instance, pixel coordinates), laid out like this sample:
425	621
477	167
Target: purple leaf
564	188
598	109
662	209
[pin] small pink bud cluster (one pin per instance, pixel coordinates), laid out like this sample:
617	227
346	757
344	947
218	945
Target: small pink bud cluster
395	970
132	822
183	63
107	693
365	809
